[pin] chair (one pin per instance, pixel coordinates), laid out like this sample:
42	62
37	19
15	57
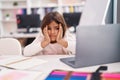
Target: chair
10	46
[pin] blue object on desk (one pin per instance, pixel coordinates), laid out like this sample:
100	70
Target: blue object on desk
66	75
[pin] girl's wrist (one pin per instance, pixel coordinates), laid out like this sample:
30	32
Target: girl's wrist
44	43
63	43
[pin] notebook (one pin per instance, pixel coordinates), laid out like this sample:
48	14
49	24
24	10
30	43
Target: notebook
76	75
17	62
96	44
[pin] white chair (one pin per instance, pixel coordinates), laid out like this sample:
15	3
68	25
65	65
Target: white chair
10	46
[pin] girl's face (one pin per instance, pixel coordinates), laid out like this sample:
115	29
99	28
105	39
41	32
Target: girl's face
53	29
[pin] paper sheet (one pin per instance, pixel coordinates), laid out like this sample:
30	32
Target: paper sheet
11	59
27	64
20	62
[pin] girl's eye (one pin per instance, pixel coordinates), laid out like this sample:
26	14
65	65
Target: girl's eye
49	28
57	28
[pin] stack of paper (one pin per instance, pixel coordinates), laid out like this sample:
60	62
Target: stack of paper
20	62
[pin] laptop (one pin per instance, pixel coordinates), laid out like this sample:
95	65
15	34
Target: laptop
96	44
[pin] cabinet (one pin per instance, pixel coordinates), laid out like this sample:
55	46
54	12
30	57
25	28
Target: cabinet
9	9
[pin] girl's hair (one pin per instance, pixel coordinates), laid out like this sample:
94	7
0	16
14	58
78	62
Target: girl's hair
54	16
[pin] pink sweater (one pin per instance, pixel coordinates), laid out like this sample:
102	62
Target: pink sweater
35	47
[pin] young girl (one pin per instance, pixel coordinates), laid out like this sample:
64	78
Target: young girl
52	38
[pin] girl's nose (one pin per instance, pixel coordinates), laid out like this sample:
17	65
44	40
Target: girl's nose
52	31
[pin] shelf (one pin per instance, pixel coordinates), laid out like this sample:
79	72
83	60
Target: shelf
11	0
44	3
77	4
11	20
9	4
34	7
19	7
43	6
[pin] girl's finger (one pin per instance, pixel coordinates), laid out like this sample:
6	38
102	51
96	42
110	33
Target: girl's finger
61	30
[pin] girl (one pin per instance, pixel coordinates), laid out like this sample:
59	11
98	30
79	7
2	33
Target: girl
52	38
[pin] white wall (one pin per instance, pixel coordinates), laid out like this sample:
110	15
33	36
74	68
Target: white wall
94	12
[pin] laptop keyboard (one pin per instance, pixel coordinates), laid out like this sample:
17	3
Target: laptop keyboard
72	62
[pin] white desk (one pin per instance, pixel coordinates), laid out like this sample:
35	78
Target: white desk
53	62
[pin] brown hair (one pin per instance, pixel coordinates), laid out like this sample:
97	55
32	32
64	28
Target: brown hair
54	16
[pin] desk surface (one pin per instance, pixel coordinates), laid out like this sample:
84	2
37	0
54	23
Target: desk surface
53	62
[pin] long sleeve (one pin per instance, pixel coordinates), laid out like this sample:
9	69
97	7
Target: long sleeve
71	38
34	47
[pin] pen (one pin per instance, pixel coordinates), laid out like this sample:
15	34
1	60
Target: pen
6	67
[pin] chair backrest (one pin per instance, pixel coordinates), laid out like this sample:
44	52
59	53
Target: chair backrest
10	46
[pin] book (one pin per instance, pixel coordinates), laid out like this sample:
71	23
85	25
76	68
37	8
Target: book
28	64
67	75
6	60
76	75
17	62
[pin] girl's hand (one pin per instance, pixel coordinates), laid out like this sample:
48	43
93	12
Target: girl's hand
45	32
60	33
60	40
46	40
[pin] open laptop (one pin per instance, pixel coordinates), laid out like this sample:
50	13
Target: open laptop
98	44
